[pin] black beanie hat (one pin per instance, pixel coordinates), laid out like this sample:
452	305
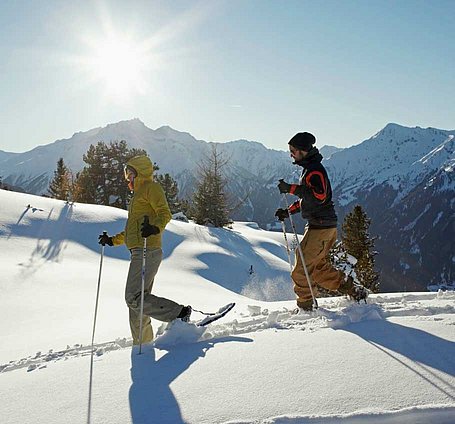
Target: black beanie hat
303	141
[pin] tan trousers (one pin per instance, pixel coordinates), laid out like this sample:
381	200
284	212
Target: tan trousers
156	307
316	245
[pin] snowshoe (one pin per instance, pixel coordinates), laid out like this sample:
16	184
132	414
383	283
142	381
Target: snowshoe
215	316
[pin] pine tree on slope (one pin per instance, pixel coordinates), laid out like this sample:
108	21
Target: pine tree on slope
171	190
102	180
209	200
60	185
358	243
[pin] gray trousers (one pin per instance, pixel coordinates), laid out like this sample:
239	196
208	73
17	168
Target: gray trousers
156	307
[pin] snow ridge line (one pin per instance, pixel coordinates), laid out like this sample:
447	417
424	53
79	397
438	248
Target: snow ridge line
341	312
441	414
256	320
40	359
287	319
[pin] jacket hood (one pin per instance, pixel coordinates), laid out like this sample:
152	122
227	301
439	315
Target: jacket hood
142	165
313	156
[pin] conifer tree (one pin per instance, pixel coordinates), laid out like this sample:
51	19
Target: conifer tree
171	190
102	180
209	200
184	206
60	185
358	243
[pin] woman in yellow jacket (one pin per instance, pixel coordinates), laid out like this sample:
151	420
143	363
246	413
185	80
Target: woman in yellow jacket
148	200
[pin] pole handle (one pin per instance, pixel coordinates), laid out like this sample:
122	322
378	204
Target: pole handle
103	244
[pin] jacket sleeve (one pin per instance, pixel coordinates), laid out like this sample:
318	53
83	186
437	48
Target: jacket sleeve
118	239
294	208
314	189
158	201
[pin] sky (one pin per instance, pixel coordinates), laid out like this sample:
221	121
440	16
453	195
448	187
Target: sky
225	70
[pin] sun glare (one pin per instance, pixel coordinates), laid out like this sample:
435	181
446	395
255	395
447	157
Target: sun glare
121	64
121	61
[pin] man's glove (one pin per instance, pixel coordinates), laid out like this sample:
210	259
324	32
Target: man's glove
284	187
282	214
104	239
148	229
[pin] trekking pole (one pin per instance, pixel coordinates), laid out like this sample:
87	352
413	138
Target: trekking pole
144	253
315	303
283	226
93	333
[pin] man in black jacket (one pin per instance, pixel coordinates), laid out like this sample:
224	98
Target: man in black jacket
316	206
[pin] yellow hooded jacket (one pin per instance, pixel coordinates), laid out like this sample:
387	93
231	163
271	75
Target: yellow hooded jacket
148	200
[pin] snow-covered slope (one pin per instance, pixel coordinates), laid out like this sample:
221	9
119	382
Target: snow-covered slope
388	361
50	261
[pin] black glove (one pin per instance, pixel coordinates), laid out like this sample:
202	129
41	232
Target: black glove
148	229
104	239
282	214
284	187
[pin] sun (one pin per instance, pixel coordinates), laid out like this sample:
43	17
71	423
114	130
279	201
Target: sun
122	54
120	64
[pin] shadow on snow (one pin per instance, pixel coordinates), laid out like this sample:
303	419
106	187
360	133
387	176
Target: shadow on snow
52	235
150	396
426	351
230	268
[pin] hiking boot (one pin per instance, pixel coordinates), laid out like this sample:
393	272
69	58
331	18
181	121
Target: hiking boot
355	291
185	313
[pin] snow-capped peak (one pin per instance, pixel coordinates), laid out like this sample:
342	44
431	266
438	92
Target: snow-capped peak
172	134
393	156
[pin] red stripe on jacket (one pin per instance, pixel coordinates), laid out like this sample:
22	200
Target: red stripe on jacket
320	196
294	208
293	188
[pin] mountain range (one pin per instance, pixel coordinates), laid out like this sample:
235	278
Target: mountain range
403	178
